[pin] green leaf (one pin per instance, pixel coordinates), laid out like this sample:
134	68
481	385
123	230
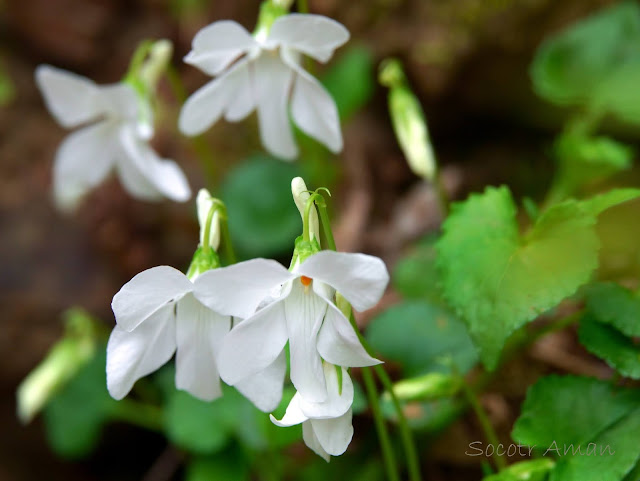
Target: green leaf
594	63
570	410
420	336
608	457
634	474
227	466
613	304
263	219
498	280
619	351
75	416
350	80
535	470
198	426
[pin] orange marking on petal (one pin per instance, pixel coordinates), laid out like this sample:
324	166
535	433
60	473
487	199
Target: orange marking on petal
306	281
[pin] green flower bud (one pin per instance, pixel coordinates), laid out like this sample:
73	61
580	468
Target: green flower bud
61	364
434	385
409	123
300	197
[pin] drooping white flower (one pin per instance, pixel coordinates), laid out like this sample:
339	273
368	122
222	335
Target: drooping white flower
115	133
326	426
303	314
158	313
263	73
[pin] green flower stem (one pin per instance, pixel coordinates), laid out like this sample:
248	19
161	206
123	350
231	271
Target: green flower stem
226	240
199	144
139	414
405	433
413	463
441	192
390	463
489	432
306	225
326	225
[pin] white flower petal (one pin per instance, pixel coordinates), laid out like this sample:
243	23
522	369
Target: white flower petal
253	345
334	435
304	312
146	293
132	355
237	290
120	101
293	414
311	440
217	45
228	93
145	175
337	402
243	99
82	161
71	99
314	35
360	278
264	389
338	343
199	336
273	82
315	112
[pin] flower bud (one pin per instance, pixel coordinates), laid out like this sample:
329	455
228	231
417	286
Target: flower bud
204	203
156	63
61	364
434	385
409	123
300	197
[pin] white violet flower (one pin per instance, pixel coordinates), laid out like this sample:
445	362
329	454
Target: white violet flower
115	135
158	313
326	426
303	313
263	73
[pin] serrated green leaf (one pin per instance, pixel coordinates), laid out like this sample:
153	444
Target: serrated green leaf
597	463
263	220
619	351
350	80
419	336
75	416
601	202
535	470
570	410
498	280
613	304
594	63
634	474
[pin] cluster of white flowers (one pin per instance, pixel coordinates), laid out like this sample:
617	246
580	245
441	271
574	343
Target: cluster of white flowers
254	72
234	322
230	323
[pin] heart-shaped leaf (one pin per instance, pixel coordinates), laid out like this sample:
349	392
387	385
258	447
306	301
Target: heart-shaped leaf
497	279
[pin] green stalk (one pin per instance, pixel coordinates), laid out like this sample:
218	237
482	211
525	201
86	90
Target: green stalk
390	464
489	432
226	240
413	464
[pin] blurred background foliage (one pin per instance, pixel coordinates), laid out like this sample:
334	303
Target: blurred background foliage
536	94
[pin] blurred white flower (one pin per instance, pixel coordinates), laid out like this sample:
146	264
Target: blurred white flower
263	72
158	313
326	426
303	313
115	135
